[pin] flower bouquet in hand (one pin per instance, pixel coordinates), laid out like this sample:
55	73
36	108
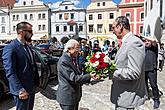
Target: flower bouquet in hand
101	64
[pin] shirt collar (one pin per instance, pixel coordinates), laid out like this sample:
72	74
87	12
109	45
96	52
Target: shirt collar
125	37
23	43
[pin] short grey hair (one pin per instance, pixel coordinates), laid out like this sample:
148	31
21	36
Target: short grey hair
71	43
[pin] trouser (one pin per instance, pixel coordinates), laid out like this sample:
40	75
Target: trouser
121	108
152	77
69	107
26	104
161	63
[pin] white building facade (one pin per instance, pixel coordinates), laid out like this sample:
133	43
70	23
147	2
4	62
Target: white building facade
154	22
4	23
68	21
36	13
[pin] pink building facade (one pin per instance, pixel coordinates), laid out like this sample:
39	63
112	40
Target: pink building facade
134	10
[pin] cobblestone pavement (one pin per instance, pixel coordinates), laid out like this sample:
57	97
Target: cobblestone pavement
96	96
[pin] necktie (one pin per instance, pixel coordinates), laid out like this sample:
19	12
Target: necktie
29	53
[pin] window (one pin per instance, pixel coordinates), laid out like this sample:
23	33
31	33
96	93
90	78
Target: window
99	28
17	17
60	16
142	16
65	28
151	4
66	7
90	17
43	16
99	16
98	4
72	16
39	16
141	29
128	15
80	28
14	28
39	27
31	16
103	3
57	29
3	20
3	29
111	15
43	27
71	28
110	27
90	28
24	3
161	8
32	2
13	17
25	16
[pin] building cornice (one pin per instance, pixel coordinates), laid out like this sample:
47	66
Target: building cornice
73	10
131	5
101	10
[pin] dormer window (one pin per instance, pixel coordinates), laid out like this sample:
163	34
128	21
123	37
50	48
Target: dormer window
66	7
32	2
24	3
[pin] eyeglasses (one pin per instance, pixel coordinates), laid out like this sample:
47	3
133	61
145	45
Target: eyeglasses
113	27
30	31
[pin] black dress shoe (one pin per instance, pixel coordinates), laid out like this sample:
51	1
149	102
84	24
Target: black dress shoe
156	104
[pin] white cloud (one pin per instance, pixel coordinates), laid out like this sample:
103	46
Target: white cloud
76	2
56	4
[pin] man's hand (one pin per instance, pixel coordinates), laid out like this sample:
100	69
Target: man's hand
23	94
94	76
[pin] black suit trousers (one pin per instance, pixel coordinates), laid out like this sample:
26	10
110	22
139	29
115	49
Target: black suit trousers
26	104
152	77
69	107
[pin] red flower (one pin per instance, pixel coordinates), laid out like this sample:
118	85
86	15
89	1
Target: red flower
102	65
93	58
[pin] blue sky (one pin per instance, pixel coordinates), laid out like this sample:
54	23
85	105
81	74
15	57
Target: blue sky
78	3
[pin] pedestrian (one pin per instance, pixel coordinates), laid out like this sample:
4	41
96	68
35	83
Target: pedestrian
151	68
161	56
128	88
70	80
20	67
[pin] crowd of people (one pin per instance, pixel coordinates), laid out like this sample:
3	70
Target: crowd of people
134	68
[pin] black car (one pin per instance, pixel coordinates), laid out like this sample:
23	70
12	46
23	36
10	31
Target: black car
47	69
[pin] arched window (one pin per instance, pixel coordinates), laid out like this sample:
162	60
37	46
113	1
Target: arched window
24	3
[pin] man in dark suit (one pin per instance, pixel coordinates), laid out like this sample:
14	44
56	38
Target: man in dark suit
69	77
21	69
151	68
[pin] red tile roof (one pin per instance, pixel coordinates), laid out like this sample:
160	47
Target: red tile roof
5	3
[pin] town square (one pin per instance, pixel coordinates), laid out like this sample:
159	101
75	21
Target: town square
82	54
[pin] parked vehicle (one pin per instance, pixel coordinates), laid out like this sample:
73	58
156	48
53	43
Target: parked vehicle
47	69
47	48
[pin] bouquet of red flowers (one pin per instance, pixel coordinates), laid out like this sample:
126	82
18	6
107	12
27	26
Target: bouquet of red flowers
101	64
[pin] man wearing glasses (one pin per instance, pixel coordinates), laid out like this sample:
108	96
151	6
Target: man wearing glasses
128	87
20	67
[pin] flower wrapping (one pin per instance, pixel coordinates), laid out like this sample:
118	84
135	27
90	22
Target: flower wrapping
101	64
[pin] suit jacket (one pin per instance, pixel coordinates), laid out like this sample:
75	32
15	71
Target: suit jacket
128	87
20	72
151	58
70	80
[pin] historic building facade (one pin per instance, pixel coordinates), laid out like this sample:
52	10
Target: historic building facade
100	16
155	19
68	21
134	11
32	11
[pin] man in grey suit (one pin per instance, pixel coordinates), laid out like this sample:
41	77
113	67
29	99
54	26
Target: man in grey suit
70	80
128	87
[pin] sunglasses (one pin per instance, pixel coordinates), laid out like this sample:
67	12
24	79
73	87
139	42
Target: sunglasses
30	31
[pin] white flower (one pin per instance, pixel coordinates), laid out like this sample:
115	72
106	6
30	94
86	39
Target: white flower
97	56
98	53
107	59
95	64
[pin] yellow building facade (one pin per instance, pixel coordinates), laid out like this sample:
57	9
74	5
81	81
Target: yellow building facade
100	15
